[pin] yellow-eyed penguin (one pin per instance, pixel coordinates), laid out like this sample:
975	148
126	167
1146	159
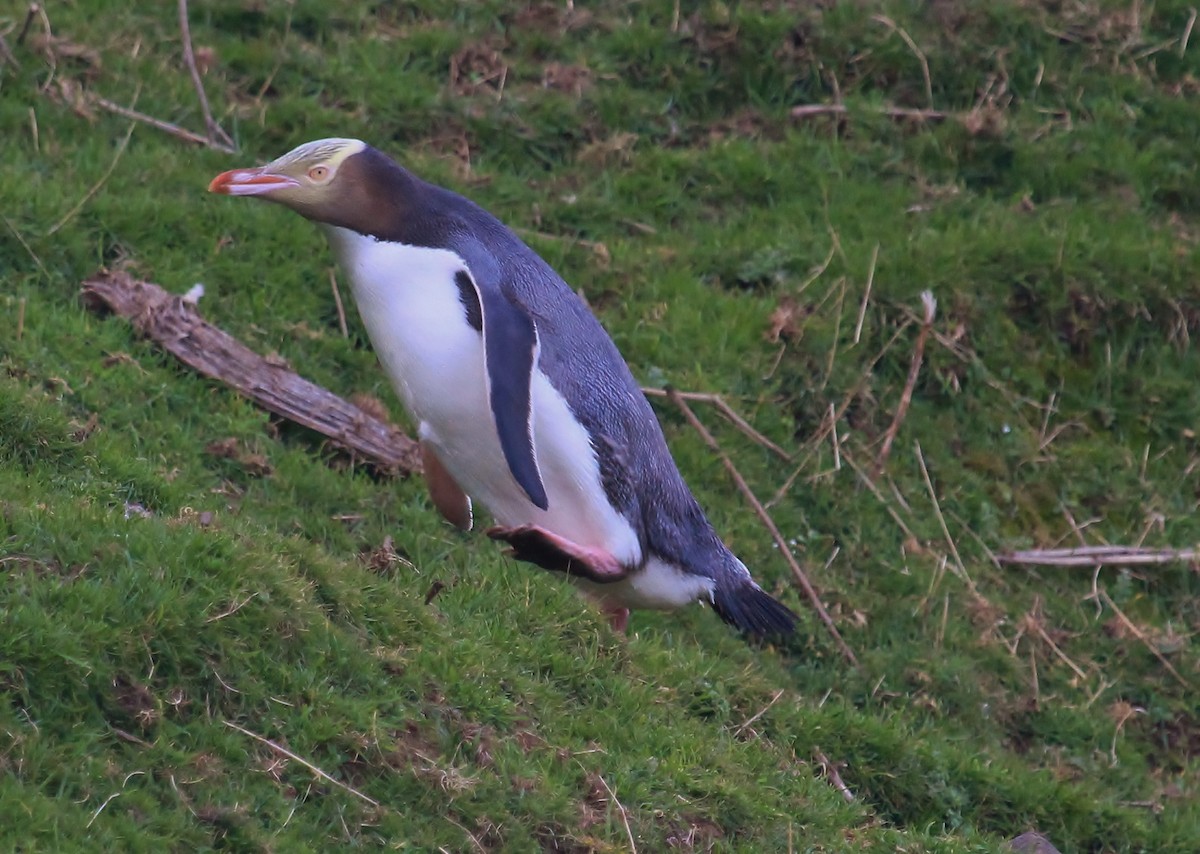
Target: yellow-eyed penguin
521	399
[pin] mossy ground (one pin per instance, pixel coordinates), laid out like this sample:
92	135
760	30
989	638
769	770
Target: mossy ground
647	150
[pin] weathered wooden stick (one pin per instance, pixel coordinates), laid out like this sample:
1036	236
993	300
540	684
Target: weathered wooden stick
175	324
1106	555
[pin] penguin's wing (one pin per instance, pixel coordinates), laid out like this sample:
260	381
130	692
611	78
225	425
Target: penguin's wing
510	354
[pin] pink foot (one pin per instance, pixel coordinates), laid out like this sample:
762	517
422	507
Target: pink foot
618	618
550	551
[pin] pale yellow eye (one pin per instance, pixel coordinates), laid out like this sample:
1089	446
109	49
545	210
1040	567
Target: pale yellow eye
318	173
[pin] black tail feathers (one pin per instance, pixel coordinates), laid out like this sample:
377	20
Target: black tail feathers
753	612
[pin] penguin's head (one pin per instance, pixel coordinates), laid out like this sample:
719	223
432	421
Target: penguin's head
318	180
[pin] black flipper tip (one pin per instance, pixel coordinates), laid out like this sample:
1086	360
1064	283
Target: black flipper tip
753	612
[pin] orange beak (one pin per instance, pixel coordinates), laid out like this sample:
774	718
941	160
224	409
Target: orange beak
249	182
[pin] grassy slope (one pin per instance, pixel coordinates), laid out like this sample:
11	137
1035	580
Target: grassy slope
1057	227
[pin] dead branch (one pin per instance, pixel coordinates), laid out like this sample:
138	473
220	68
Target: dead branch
217	138
175	324
168	127
914	369
1101	556
799	574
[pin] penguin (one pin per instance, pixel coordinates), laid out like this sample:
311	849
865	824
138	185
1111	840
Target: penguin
521	400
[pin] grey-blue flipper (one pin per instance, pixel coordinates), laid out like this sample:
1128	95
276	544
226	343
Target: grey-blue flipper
510	346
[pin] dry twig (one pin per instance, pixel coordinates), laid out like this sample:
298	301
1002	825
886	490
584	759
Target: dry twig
168	127
918	356
177	326
797	571
217	138
283	751
728	411
832	775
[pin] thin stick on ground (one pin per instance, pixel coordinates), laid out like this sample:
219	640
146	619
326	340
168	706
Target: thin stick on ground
95	188
177	327
216	133
168	127
1090	556
914	369
832	775
784	548
728	411
283	751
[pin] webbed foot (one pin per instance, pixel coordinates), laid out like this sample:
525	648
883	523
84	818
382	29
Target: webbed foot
550	551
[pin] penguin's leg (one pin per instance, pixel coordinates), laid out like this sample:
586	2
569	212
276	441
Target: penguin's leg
447	495
558	554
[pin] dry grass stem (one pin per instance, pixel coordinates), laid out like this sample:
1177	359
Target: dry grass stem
820	269
914	369
283	751
1032	623
217	138
784	548
806	111
728	411
21	318
912	45
1140	635
1187	32
6	54
621	810
826	424
937	510
231	610
874	490
831	359
862	308
1101	556
832	775
746	723
337	301
95	188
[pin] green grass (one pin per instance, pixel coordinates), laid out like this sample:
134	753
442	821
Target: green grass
154	593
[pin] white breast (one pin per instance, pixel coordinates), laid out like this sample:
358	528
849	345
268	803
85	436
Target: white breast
435	360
